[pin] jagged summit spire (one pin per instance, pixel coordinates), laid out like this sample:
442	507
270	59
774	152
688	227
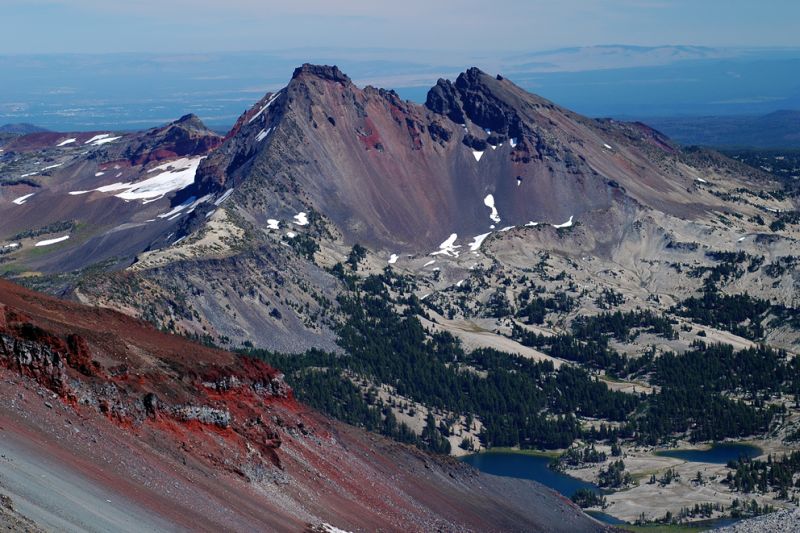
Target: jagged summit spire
326	72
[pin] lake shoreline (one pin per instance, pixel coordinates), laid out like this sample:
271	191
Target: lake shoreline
627	505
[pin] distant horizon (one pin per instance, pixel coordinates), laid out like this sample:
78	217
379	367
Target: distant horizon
181	26
134	91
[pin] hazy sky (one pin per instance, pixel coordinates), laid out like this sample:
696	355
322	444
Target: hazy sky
48	26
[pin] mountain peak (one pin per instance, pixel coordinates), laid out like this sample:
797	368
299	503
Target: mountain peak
475	96
471	76
326	72
190	121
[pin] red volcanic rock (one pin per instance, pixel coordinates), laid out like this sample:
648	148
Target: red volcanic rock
396	175
202	438
79	356
185	137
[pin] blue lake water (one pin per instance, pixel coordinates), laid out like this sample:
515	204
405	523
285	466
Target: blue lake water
719	453
535	468
527	467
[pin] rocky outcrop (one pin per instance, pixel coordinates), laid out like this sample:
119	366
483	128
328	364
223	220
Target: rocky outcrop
783	521
37	360
185	137
324	72
205	415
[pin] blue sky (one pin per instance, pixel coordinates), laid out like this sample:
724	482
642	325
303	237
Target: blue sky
178	26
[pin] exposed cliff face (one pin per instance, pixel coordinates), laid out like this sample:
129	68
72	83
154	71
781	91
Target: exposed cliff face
199	436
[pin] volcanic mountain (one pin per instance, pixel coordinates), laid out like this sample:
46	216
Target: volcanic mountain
483	171
480	154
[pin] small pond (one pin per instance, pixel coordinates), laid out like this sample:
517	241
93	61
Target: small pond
718	453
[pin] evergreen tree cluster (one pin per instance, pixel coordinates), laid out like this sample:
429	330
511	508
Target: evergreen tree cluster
752	475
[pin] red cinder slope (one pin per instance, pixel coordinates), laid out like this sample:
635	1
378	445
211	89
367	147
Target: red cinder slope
108	424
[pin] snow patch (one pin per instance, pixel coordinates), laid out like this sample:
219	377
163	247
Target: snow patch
223	197
513	142
566	224
519	181
52	166
97	138
301	219
202	200
269	103
531	224
11	245
103	138
191	203
179	176
507	228
489	202
263	134
607	147
449	246
429	263
291	234
701	180
460	282
22	199
273	224
65	142
105	141
327	528
48	242
98	174
393	259
475	245
477	155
